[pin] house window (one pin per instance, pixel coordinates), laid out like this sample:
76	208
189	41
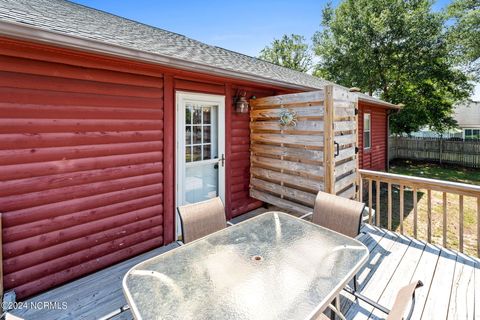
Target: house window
367	134
471	134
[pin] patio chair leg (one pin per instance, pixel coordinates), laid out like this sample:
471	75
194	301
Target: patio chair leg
335	309
355	283
332	313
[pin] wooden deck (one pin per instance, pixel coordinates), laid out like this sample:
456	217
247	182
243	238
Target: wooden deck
451	282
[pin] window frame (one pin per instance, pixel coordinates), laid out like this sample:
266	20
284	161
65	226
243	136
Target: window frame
367	115
472	134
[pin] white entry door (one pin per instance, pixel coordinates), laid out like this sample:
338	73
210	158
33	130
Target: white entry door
200	147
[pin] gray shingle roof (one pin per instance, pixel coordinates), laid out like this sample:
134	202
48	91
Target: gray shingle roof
80	21
76	20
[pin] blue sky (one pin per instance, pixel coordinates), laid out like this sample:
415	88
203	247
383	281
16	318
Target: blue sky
244	26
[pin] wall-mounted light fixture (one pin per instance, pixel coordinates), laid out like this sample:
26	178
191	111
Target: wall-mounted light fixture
240	101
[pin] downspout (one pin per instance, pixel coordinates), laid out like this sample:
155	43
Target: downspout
387	157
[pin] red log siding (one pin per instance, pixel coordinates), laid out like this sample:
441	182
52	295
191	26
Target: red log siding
81	159
375	157
87	163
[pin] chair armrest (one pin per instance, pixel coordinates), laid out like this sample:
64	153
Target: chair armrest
404	296
230	223
306	215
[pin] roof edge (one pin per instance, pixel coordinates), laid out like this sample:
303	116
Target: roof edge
378	102
38	35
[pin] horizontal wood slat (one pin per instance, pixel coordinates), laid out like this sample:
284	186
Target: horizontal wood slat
266	114
289	179
303	125
298	140
297	153
279	202
288	99
295	167
290	164
283	191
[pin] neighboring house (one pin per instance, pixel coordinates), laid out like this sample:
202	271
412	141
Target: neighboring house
91	104
467	115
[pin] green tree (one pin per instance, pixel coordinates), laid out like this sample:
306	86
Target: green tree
464	34
395	49
291	52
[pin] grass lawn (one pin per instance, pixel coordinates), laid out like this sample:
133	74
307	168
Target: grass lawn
434	171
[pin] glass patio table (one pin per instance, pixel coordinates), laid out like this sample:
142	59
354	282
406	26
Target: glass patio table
273	266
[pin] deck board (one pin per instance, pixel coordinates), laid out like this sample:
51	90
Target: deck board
451	282
477	290
424	272
396	246
462	298
436	306
401	276
90	297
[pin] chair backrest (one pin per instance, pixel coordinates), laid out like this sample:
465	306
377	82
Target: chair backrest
201	218
339	214
404	296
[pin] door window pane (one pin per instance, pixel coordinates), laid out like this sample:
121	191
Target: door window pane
197	134
196	153
197	115
206	115
188	135
206	134
206	152
188	114
188	154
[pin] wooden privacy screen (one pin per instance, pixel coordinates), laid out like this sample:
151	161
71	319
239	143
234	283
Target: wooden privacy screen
290	164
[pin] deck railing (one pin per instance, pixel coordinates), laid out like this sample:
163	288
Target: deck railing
381	183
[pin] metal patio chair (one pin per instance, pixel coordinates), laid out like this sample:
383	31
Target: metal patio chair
338	214
341	215
399	308
345	216
202	218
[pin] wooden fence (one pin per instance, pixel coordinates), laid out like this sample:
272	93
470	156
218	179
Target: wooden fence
291	163
465	153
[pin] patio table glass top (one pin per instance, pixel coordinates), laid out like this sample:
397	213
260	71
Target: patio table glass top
273	266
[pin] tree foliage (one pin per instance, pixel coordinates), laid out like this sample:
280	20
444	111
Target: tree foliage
396	49
464	34
291	52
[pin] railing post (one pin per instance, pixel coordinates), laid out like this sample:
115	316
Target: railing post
370	201
389	206
415	213
478	227
377	207
444	219
402	213
460	217
360	188
429	216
